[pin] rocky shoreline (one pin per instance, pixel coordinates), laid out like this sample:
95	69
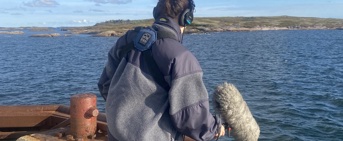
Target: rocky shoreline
46	35
218	24
199	29
200	25
12	32
233	29
109	33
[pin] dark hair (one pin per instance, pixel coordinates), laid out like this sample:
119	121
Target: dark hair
172	8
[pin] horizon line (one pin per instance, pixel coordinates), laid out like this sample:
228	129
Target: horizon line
153	19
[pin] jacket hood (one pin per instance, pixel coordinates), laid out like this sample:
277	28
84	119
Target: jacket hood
170	23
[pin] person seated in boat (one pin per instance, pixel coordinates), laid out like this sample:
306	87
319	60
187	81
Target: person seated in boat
153	86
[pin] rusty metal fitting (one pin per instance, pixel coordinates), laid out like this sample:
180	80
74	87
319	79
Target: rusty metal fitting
83	116
93	112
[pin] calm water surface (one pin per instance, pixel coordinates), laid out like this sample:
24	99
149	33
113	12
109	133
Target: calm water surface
291	80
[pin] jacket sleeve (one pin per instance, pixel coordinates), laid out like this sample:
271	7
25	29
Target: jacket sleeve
110	67
189	102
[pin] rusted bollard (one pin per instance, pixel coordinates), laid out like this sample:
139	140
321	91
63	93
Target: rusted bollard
83	116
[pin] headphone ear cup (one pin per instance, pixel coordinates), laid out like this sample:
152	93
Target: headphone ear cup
186	18
154	13
189	18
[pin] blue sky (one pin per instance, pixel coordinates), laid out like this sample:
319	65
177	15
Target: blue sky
55	13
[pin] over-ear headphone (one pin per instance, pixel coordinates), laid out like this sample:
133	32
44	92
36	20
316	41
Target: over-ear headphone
154	13
186	17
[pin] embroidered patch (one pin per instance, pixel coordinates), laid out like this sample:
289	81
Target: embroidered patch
145	38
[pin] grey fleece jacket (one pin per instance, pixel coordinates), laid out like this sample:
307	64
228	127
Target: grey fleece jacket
138	108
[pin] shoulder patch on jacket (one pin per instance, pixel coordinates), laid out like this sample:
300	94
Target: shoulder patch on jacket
145	38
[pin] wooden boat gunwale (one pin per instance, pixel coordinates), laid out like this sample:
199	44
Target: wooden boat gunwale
17	121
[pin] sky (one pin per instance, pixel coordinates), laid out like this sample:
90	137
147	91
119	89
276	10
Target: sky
58	13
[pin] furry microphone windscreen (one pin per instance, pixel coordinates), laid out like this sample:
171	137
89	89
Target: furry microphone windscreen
234	111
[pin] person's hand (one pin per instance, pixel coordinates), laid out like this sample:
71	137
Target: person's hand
221	133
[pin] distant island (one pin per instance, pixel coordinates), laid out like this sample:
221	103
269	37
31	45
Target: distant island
218	24
205	25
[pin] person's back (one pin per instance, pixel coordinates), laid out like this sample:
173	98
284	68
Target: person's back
138	106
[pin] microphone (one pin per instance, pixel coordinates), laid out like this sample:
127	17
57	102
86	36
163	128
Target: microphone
234	111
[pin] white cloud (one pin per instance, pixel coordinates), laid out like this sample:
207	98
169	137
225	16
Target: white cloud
16	14
84	21
110	1
96	10
41	3
78	11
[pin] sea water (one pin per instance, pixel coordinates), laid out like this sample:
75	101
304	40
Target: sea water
292	81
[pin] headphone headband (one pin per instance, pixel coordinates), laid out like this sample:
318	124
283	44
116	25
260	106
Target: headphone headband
191	5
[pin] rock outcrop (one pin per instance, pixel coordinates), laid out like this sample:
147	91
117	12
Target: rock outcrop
12	32
46	35
106	34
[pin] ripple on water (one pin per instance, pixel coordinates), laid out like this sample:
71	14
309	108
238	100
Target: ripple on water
292	82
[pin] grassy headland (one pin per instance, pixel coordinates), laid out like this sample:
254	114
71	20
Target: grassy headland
264	23
206	24
218	24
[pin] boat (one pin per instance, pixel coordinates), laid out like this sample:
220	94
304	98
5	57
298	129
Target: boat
52	122
80	121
